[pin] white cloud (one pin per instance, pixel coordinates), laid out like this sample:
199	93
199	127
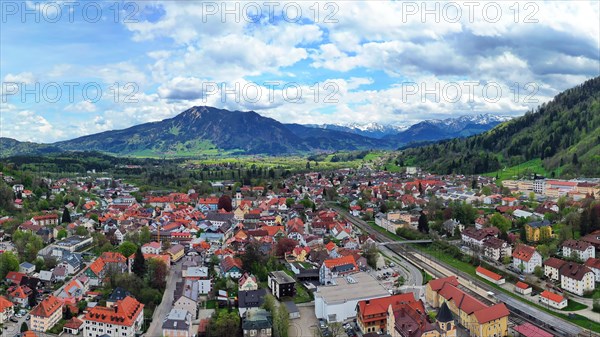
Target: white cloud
83	106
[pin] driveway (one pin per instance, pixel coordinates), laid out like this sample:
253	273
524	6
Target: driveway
13	328
161	312
305	325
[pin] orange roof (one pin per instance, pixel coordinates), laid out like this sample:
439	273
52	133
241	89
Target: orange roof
522	285
47	307
5	303
488	273
340	261
124	312
330	246
552	296
523	252
437	284
97	266
113	257
494	312
29	334
272	230
379	306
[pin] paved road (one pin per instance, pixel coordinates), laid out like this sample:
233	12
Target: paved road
161	312
414	276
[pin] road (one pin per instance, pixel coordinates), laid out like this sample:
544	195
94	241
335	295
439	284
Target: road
161	312
414	275
440	268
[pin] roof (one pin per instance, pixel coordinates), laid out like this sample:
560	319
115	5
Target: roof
281	277
593	263
522	285
530	330
444	314
177	320
437	284
574	271
488	273
554	262
380	305
229	262
291	307
494	312
523	252
47	307
340	261
14	276
537	224
577	245
251	298
73	323
257	319
5	303
552	296
124	312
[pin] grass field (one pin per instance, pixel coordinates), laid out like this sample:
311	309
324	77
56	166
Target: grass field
515	172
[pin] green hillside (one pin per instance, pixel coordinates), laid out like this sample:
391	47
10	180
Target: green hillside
563	134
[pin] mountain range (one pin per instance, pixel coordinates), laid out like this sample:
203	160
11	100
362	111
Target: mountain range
207	130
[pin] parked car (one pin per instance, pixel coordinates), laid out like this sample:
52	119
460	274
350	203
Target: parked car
14	319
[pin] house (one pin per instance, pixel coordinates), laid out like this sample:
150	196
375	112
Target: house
281	284
73	326
526	258
406	321
538	230
152	248
186	296
178	324
489	275
577	278
333	268
176	252
231	267
292	309
117	295
496	249
247	282
552	268
46	314
14	277
372	314
26	268
257	322
594	265
124	319
7	309
250	299
581	250
553	300
480	319
522	288
19	295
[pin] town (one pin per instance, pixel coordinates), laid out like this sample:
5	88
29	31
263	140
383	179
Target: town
344	252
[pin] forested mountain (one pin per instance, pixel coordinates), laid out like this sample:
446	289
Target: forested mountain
564	133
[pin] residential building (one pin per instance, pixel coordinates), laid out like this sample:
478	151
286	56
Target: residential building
257	322
594	265
496	249
177	324
526	258
333	268
372	314
538	230
250	299
200	276
124	319
231	267
7	309
581	250
577	278
552	268
176	252
73	326
26	268
281	284
152	248
552	300
46	314
186	296
247	282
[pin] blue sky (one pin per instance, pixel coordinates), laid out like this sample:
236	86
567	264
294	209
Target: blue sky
377	61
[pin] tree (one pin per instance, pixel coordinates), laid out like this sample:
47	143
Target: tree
62	234
68	313
399	281
289	202
127	248
371	253
139	264
8	262
538	271
284	245
225	203
81	230
281	322
66	216
24	327
596	302
269	303
500	222
423	225
145	235
157	273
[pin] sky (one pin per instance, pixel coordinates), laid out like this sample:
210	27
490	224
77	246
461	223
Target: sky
74	68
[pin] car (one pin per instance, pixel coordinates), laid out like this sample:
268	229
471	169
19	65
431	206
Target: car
347	326
28	317
22	311
18	315
322	324
14	319
351	333
534	293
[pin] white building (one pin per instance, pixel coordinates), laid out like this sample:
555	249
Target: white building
152	248
337	303
577	278
200	275
177	324
580	249
552	300
124	319
594	265
526	258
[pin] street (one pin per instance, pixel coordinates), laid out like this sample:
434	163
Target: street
161	312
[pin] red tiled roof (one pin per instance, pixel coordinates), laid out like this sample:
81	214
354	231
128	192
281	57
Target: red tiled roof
380	305
577	245
47	307
552	296
437	284
73	323
124	313
14	276
494	312
522	285
340	261
554	263
593	263
488	273
5	303
113	257
523	252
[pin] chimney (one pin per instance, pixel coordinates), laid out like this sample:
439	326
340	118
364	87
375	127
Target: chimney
116	308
